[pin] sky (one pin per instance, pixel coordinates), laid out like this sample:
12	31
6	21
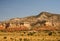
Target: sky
22	8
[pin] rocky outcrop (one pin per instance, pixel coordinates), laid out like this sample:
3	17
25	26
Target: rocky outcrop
51	19
43	19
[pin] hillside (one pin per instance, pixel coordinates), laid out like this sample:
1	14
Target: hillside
43	21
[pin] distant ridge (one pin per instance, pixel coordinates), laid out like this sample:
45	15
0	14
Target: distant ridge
41	21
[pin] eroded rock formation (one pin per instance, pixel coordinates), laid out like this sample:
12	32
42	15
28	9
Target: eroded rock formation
43	19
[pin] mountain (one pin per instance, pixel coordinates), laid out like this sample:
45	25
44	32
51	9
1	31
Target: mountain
43	21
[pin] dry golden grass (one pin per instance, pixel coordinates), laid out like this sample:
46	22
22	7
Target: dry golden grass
30	36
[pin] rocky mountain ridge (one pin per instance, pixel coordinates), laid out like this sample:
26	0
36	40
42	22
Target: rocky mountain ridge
41	21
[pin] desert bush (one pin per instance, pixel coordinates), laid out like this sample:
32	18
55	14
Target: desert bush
31	33
46	31
58	31
5	37
25	39
58	40
7	25
11	39
24	32
50	33
20	39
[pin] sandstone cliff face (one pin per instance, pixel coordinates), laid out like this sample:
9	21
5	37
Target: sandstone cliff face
43	19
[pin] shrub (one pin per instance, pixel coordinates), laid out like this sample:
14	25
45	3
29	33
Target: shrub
31	33
20	39
5	37
26	39
58	40
50	33
11	38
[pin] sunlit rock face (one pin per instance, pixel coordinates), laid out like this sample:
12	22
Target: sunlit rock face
53	19
42	19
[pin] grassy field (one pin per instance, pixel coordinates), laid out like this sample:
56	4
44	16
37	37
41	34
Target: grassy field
30	36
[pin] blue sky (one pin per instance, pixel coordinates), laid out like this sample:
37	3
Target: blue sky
21	8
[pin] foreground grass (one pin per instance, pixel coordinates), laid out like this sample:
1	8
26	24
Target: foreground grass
30	36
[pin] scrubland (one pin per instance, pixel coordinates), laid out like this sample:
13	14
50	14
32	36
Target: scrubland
30	36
